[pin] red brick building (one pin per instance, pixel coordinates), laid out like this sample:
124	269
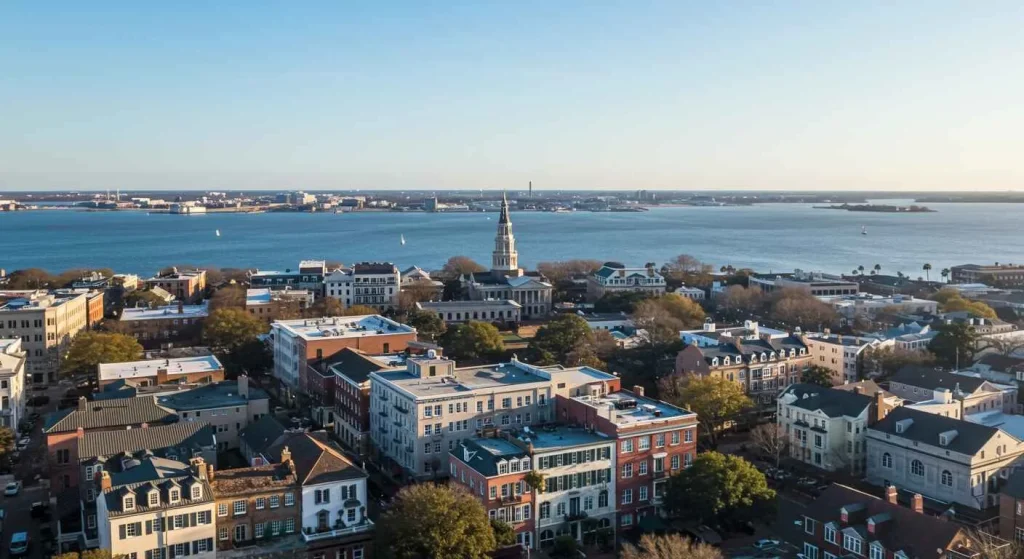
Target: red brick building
654	440
844	522
494	470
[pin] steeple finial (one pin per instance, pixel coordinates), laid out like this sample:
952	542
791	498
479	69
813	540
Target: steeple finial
504	209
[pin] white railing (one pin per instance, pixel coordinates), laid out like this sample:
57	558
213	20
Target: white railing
366	526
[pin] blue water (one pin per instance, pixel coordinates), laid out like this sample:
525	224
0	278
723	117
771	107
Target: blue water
779	237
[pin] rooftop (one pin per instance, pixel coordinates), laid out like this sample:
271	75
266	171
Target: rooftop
1010	423
559	437
317	460
214	395
831	402
926	427
342	327
483	454
356	365
627	409
11	301
254	479
931	379
188	435
167	312
150	368
461	304
489	377
109	413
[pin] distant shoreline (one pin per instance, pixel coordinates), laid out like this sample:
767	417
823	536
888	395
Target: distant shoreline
878	208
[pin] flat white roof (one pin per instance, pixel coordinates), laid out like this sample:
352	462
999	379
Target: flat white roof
257	296
170	311
342	327
627	408
149	368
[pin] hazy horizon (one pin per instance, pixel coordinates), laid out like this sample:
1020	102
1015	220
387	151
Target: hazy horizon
790	96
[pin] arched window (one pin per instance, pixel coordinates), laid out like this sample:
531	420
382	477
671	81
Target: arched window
886	460
714	362
947	478
917	468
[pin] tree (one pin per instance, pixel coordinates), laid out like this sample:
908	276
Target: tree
888	360
877	268
89	349
796	307
324	307
427	324
950	300
816	374
669	546
565	547
443	522
6	442
772	440
504	534
955	344
927	271
458	266
231	329
945	274
252	358
719	488
685	269
143	298
472	340
739	302
684	309
558	272
359	310
535	480
229	296
624	302
661	327
415	293
30	278
715	400
556	339
860	269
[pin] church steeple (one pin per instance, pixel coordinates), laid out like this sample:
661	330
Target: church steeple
505	259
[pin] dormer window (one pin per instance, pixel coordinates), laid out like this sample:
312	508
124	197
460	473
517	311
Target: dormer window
877	551
197	491
129	503
753	358
154	498
175	495
726	361
772	357
803	351
714	362
763	357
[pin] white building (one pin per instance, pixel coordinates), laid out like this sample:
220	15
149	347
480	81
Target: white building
490	310
615	277
418	415
695	293
826	427
157	508
710	335
373	284
12	382
842	355
868	305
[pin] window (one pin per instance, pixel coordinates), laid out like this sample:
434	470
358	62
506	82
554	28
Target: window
810	551
289	500
1018	535
627	470
675	437
675	462
174	495
222	534
853	544
877	551
289	525
643	468
197	491
241	534
947	478
917	468
545	510
659	440
261	503
645	443
886	460
321	496
688	435
627	445
129	503
131	530
830	534
222	509
627	520
154	498
627	496
643	493
809	525
203	517
239	507
178	521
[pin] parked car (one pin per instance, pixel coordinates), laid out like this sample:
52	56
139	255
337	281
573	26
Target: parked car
40	509
19	543
12	488
767	543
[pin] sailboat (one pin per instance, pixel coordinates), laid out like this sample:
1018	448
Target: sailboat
403	239
217	232
863	230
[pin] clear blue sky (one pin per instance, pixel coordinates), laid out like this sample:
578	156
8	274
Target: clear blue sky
486	94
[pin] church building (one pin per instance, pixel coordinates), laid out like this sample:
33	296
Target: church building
506	280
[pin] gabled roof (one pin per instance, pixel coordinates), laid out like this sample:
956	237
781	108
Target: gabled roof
930	379
355	365
109	413
154	474
926	428
261	434
188	435
213	395
1002	363
833	403
317	460
254	479
918	535
483	455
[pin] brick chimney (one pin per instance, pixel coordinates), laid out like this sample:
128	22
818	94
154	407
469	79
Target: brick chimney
881	408
145	425
210	475
891	494
80	433
286	455
198	467
917	503
105	483
638	390
243	386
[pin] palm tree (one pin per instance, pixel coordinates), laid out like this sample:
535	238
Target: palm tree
927	268
854	272
878	268
945	274
861	269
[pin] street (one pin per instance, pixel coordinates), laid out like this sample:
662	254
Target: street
19	519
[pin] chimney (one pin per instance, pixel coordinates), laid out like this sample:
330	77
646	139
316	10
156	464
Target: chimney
638	390
145	425
917	503
243	386
880	407
80	433
858	389
181	307
83	404
105	483
891	494
286	455
210	475
198	467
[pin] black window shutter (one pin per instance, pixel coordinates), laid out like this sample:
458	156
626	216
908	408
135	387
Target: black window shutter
170	523
193	521
195	547
149	528
121	531
209	544
138	528
171	552
162	524
149	554
188	548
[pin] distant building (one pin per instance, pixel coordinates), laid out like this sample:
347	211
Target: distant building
695	293
159	508
308	276
614	277
842	355
607	321
826	427
202	369
187	208
46	324
269	305
416	279
1004	274
179	324
418	414
186	285
371	284
867	305
815	283
967	394
351	369
258	510
506	280
504	312
1004	369
228	406
12	382
711	334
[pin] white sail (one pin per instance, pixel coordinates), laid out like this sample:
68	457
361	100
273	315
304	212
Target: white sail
217	232
403	239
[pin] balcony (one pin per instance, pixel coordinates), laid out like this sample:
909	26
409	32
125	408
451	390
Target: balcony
401	409
511	499
574	516
383	413
311	535
660	474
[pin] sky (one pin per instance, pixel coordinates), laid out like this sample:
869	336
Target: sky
809	95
